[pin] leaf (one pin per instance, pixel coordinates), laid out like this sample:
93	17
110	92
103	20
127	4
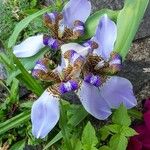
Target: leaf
104	148
89	139
23	24
93	21
121	116
127	131
114	128
29	62
18	146
76	116
53	141
118	142
14	122
135	113
14	90
59	136
128	22
28	79
63	126
104	132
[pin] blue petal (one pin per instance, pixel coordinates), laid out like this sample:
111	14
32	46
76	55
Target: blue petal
118	90
76	10
105	36
93	102
29	47
44	114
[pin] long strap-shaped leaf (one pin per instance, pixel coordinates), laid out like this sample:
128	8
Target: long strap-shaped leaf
15	121
128	22
28	79
23	24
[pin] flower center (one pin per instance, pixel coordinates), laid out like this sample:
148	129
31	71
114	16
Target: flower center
68	86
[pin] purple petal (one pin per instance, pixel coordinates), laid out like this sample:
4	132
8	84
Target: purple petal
29	47
93	102
105	36
118	90
76	10
44	114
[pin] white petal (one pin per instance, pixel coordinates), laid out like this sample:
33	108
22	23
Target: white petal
81	50
44	115
29	47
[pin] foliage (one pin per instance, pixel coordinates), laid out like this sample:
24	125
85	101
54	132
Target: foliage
74	131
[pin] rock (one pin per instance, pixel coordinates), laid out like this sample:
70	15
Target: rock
144	29
137	68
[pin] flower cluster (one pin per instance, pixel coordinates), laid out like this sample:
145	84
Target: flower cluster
142	140
88	69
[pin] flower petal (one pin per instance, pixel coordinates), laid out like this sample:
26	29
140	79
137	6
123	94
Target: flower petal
76	10
147	119
81	50
118	90
29	47
44	114
93	102
105	36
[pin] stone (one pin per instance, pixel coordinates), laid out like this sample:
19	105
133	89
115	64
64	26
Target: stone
137	68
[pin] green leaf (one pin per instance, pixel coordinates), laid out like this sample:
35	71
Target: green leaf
128	22
23	24
118	142
14	90
114	128
104	148
127	131
93	21
104	132
63	126
28	79
135	113
89	139
74	123
29	62
121	116
53	141
18	146
27	104
76	116
14	122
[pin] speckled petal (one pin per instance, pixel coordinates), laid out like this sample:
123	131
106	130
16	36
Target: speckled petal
105	36
76	10
93	101
118	90
29	47
44	114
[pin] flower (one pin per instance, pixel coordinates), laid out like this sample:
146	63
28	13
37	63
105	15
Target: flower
45	111
88	72
65	26
141	141
100	91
